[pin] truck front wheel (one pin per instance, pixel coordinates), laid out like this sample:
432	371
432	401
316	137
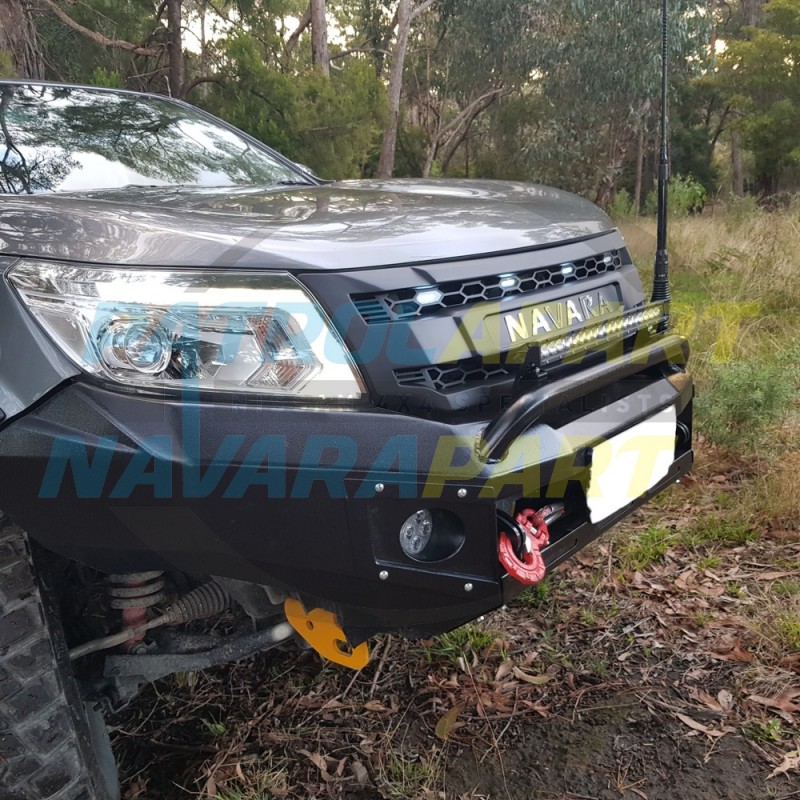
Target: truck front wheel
53	746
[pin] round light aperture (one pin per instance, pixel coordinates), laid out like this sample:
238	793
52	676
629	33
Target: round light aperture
141	346
416	532
431	535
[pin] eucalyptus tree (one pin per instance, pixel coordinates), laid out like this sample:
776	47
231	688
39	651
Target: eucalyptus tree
19	42
600	68
758	74
273	91
469	55
407	12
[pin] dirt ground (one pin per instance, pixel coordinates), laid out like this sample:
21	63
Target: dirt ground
646	668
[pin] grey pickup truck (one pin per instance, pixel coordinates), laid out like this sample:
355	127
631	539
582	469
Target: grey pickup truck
325	410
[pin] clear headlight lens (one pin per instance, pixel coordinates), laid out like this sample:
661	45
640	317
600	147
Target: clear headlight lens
218	330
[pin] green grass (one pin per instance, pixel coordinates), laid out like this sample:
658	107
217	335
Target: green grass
736	295
745	399
215	728
786	588
788	629
715	529
261	778
709	562
770	730
647	548
536	596
461	642
408	777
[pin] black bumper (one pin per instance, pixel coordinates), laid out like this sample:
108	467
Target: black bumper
312	500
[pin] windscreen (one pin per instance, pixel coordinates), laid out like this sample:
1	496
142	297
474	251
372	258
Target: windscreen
70	139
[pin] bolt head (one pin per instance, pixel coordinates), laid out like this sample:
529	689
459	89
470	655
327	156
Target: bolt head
467	587
462	493
379	487
383	575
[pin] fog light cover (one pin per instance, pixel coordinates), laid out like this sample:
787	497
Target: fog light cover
416	533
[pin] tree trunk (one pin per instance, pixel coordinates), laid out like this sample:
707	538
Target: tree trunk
389	144
292	41
737	173
175	48
637	191
18	38
95	37
459	127
204	54
319	37
753	12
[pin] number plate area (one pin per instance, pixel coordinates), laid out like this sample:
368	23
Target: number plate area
625	466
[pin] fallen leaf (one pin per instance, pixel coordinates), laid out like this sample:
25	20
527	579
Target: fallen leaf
375	705
698	726
791	662
773	576
318	760
503	670
783	535
711	591
736	654
136	790
685	579
543	711
536	680
725	699
791	760
360	773
788	700
210	789
706	699
447	724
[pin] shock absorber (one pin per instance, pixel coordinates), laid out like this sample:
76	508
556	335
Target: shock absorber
133	593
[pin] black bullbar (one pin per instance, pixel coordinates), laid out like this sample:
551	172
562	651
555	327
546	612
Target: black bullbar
528	409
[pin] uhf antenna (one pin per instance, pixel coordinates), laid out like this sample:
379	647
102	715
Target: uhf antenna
661	272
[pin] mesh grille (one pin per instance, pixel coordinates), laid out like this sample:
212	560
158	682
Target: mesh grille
447	377
403	304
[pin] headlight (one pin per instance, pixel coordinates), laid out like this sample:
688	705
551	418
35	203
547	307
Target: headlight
219	330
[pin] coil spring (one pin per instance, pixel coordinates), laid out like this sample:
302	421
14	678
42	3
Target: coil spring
136	589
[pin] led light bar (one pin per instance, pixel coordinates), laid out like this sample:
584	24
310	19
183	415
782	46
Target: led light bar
578	342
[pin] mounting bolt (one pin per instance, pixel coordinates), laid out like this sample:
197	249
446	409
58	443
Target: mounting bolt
379	487
467	587
462	493
383	575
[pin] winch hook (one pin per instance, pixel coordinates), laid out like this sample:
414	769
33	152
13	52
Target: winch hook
525	563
